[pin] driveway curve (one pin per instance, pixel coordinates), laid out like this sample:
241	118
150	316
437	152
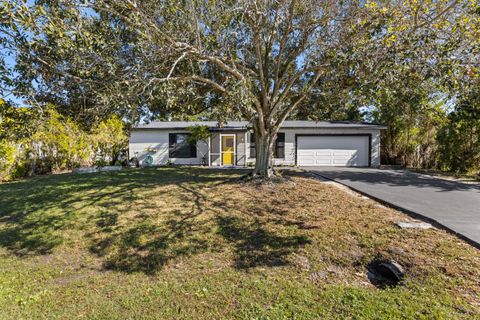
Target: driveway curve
454	205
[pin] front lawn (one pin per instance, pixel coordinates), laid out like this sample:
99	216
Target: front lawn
192	243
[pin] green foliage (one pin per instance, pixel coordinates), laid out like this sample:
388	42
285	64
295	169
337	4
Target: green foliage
412	118
7	159
430	132
109	138
100	162
11	130
459	139
37	141
260	64
59	142
198	133
17	123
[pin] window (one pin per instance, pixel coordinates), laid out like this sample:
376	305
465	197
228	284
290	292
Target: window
280	145
179	147
278	152
253	153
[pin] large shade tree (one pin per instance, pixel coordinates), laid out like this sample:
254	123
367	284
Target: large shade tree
258	60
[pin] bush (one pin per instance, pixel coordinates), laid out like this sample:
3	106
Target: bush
460	146
21	170
109	139
459	139
7	160
41	140
100	163
60	141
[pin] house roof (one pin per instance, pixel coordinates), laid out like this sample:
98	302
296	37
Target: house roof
187	124
243	125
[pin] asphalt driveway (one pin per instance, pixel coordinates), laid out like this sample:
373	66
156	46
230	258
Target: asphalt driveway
454	205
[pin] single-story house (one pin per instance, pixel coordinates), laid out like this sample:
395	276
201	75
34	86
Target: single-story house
301	143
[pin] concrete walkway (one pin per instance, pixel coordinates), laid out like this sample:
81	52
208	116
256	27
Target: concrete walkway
454	205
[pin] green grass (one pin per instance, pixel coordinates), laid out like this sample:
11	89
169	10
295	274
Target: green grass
465	177
192	243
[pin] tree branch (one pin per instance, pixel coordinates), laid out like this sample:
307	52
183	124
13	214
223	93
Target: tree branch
192	78
306	91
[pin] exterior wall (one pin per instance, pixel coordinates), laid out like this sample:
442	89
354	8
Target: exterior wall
140	140
290	143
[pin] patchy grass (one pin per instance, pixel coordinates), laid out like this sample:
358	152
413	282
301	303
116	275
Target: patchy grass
193	243
462	177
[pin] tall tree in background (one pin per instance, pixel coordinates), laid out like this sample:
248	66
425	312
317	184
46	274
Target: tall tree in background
460	137
257	60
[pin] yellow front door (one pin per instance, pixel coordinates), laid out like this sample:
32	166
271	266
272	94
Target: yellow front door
228	151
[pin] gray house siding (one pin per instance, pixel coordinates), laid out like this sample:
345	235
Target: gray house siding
153	139
141	141
290	143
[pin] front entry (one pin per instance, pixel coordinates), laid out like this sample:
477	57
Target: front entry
228	150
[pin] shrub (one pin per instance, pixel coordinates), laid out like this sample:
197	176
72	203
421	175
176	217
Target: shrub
109	139
60	142
39	140
459	139
8	154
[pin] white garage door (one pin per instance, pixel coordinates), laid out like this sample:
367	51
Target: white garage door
332	151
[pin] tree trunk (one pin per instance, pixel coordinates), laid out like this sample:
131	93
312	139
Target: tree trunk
264	154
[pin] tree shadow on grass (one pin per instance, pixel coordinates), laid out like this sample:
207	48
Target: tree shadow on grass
145	248
24	235
36	212
115	214
255	246
148	245
31	243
